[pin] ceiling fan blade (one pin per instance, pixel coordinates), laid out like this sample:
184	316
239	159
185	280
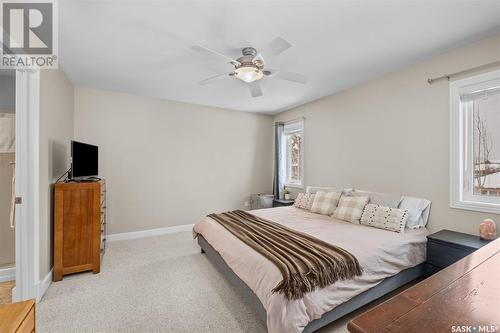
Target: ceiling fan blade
277	46
206	50
289	76
260	58
213	78
255	90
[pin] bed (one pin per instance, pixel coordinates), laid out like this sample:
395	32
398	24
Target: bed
389	260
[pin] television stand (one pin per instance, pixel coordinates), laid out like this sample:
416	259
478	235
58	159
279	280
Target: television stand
79	227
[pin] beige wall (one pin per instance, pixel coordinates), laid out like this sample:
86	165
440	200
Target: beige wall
392	135
56	131
169	163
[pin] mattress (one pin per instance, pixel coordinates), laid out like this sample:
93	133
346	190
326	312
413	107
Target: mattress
380	253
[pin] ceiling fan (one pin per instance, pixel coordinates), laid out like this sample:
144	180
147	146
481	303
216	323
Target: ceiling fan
250	67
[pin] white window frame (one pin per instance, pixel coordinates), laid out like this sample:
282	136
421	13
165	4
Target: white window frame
461	146
296	126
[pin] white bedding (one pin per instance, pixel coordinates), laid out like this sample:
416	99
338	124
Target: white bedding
381	254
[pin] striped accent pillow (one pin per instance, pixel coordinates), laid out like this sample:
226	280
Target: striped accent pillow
387	218
325	202
350	209
304	201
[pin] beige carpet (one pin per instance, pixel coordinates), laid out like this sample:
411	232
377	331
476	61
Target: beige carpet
156	284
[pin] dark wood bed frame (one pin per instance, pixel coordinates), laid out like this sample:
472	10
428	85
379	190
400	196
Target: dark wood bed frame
384	287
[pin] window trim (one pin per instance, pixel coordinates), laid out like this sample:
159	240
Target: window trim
299	124
457	141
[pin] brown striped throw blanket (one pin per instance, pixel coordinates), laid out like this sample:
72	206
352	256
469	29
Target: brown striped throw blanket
305	262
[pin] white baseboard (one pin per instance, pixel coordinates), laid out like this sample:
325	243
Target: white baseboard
43	285
149	232
7	274
14	295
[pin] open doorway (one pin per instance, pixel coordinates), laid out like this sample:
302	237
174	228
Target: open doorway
7	176
19	141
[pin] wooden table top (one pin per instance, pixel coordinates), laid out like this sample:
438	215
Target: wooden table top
12	315
462	297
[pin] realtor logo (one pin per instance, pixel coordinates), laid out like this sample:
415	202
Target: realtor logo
29	36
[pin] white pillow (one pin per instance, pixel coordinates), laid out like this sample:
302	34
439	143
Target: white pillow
325	202
381	199
418	211
348	192
350	209
387	218
315	189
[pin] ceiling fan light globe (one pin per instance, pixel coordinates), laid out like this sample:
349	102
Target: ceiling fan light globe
248	73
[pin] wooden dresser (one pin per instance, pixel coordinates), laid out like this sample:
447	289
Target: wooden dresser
79	227
463	297
18	317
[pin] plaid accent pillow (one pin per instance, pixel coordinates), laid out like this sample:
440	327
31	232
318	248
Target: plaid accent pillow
304	201
387	218
325	202
350	209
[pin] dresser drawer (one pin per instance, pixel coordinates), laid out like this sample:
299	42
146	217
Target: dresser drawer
443	255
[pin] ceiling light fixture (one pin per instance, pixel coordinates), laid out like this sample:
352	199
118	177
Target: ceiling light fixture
248	73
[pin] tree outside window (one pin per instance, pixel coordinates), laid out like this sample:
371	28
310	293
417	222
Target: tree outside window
293	153
294	144
486	127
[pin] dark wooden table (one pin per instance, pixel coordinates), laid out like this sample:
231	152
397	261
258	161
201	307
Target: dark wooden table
462	297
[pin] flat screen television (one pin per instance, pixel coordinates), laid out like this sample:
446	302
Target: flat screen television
84	160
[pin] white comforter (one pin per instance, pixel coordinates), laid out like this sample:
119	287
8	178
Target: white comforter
381	254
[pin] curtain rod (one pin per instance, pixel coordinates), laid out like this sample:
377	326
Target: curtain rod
449	76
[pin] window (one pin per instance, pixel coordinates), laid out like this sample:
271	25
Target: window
475	143
293	152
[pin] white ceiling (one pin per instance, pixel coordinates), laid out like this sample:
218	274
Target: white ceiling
142	47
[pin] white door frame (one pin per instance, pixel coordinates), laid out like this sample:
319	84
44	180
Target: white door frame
27	184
